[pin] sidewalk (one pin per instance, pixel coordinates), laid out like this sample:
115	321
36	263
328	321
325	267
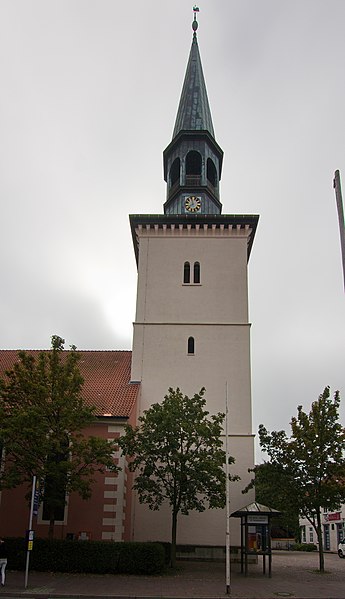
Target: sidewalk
293	575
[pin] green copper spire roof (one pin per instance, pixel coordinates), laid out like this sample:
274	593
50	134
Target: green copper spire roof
194	112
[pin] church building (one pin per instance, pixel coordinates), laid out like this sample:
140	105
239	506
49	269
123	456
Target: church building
191	330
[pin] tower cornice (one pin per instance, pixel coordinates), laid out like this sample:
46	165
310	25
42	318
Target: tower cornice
234	225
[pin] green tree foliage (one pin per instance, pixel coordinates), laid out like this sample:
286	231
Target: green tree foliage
310	465
42	417
270	490
177	454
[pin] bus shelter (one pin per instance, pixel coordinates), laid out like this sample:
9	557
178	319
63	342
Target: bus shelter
256	534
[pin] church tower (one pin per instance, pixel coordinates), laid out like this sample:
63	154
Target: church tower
191	327
193	159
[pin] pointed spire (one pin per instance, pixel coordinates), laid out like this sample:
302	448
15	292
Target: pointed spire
194	111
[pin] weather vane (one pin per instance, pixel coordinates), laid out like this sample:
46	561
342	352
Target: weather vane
195	22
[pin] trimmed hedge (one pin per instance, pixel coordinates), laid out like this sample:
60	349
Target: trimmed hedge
96	557
303	547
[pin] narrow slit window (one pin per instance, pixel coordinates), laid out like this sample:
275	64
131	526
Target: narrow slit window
196	272
175	172
186	272
211	172
191	345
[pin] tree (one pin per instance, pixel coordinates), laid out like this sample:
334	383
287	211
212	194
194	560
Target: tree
42	417
177	454
270	490
310	465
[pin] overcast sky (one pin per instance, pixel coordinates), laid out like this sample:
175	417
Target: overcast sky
89	94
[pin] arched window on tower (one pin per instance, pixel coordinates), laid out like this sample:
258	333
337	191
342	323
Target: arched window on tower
186	272
191	346
193	168
196	272
175	172
211	172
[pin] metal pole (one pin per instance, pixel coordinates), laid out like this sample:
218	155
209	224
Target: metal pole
30	527
227	495
339	199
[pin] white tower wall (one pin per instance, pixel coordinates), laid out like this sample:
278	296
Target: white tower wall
215	314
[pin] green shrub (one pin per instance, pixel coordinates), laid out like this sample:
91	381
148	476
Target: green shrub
96	557
141	558
303	547
167	551
16	553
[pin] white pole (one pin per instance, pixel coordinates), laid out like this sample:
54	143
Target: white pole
339	200
30	527
227	495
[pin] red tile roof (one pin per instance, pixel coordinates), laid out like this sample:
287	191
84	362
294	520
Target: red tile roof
106	375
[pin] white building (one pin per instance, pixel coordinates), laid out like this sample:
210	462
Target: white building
191	328
333	529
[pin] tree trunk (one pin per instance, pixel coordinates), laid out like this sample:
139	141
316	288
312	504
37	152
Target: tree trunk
51	524
320	540
173	539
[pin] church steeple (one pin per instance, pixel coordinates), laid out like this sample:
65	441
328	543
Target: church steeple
193	159
194	111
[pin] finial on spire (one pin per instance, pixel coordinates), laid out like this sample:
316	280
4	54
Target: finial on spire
195	22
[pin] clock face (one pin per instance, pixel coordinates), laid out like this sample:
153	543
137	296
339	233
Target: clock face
192	204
